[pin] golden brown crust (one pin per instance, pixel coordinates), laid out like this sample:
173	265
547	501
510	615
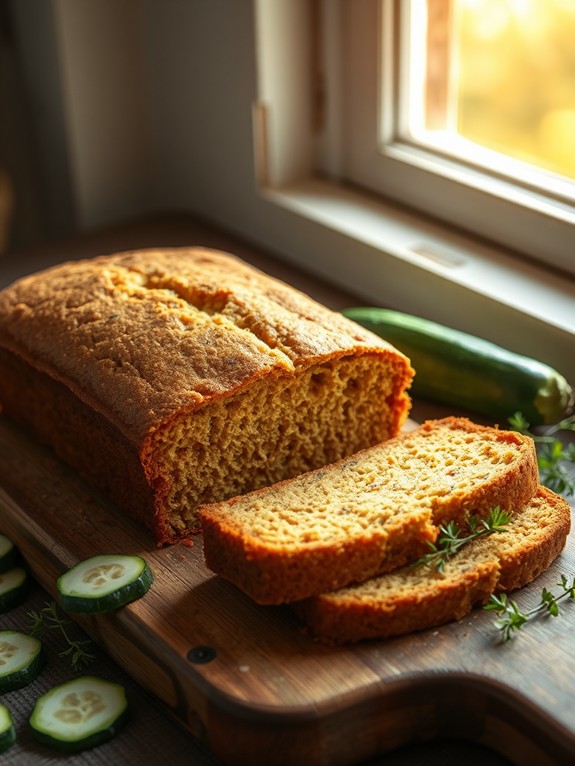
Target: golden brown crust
147	359
366	514
417	598
545	529
225	325
272	577
334	622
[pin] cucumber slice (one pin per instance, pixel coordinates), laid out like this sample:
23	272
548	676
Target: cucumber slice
79	714
7	729
9	554
21	660
104	583
14	587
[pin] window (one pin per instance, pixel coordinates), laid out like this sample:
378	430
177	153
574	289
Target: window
513	89
465	110
443	237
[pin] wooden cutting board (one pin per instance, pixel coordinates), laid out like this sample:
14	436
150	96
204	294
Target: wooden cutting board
249	683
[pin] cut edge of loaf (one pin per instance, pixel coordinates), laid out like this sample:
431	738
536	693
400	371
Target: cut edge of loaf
419	598
279	570
275	429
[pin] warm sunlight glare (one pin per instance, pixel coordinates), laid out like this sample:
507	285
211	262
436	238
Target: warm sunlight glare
515	85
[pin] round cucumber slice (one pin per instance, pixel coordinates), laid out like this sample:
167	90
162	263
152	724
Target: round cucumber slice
21	660
14	587
104	583
9	554
79	714
7	729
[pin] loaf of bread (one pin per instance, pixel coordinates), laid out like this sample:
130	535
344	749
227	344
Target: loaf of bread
420	597
174	378
366	514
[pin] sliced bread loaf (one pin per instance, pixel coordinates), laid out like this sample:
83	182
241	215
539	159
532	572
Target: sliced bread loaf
419	597
367	514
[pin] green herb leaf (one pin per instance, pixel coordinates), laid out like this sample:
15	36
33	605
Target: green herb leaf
512	619
450	539
48	619
552	455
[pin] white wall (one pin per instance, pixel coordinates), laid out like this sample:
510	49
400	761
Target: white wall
157	105
106	108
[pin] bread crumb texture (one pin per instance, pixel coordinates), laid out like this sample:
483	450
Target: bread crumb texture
419	597
221	379
366	514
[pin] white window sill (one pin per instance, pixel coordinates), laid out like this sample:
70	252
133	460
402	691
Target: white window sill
391	257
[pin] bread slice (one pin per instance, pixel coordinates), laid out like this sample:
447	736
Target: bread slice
419	597
367	514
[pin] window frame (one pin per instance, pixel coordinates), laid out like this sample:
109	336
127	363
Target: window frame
379	155
385	252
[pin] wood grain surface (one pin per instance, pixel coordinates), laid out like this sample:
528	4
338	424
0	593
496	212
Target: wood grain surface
247	680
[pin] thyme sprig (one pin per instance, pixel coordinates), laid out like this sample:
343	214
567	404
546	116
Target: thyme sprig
510	617
48	619
552	454
450	538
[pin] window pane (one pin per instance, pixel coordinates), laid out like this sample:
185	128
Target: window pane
501	74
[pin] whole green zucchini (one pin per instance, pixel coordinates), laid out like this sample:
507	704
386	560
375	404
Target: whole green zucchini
458	369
